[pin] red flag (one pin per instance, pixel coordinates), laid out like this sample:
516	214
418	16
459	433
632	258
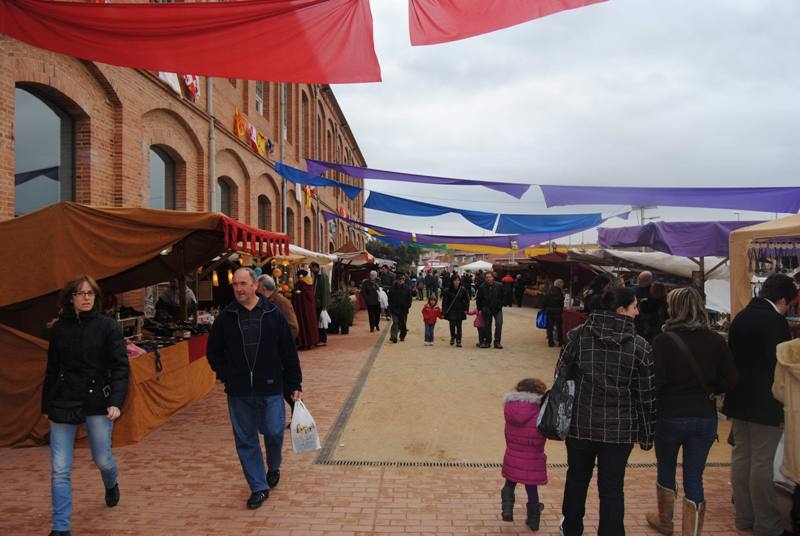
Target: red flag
311	41
439	21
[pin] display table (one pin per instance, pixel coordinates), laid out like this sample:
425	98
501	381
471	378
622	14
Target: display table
161	383
571	319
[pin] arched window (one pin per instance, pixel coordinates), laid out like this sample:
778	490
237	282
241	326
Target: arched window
290	225
307	233
225	195
44	151
331	247
264	213
162	179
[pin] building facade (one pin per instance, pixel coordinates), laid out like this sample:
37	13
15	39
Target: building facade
76	130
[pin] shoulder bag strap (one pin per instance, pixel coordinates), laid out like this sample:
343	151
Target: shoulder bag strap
690	358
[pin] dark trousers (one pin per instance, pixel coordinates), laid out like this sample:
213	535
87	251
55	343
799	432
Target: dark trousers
398	325
531	489
374	312
455	329
323	333
795	513
498	326
611	461
554	321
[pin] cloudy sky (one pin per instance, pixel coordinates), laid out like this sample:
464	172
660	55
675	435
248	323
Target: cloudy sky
626	92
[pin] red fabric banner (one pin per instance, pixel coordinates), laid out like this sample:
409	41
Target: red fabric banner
311	41
439	21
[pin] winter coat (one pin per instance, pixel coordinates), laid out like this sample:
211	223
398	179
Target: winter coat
679	391
399	299
786	389
455	303
490	297
87	367
387	279
431	314
369	291
276	367
651	318
285	307
754	334
524	461
614	381
322	291
553	303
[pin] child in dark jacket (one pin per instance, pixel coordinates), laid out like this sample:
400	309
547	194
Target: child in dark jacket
430	313
524	461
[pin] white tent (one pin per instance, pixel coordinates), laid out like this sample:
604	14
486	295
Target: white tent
475	266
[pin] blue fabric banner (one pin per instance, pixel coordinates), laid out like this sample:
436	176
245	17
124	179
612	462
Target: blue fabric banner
302	177
551	223
398	205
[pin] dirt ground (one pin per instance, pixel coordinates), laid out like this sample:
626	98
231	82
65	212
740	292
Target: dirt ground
441	403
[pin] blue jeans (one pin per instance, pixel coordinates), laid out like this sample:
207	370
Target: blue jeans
429	332
251	415
62	445
695	435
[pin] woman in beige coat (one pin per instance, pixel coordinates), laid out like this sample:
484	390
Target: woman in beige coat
786	389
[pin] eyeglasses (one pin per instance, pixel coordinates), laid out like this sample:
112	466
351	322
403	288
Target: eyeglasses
84	293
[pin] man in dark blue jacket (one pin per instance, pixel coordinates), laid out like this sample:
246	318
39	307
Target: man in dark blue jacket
489	300
757	416
251	350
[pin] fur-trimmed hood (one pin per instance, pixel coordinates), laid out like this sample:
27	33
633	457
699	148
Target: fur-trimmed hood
788	355
518	396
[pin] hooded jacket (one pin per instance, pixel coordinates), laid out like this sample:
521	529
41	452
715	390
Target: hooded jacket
786	389
276	367
614	381
431	314
86	355
524	461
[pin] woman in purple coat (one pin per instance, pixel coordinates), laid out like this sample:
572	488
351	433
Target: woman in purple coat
524	461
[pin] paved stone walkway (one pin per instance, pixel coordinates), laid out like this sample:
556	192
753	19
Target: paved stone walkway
185	479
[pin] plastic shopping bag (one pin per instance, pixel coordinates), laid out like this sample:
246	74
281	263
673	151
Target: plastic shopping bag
541	319
324	319
556	412
305	437
777	476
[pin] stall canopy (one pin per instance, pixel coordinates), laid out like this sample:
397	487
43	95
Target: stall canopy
123	248
475	266
740	241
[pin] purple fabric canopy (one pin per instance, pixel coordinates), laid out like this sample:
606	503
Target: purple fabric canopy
318	167
778	199
685	239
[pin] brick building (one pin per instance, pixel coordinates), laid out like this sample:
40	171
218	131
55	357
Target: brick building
103	135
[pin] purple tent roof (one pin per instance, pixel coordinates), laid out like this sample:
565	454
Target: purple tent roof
684	238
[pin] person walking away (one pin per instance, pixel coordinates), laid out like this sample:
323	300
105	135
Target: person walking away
369	291
322	297
250	349
86	381
614	408
597	289
692	365
508	290
786	389
399	304
652	312
519	290
524	461
553	306
304	304
430	313
757	416
455	304
489	300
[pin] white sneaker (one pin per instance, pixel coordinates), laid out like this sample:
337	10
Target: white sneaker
561	527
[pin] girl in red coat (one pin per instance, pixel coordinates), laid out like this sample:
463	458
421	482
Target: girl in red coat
430	313
524	461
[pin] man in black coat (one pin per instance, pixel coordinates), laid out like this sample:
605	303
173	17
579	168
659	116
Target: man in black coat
489	301
757	416
399	304
553	306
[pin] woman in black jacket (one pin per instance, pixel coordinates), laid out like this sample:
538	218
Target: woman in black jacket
85	383
455	305
692	364
614	408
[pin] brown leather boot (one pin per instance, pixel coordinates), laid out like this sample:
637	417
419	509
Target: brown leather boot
662	520
693	515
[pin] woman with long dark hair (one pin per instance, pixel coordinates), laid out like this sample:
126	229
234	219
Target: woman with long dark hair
85	383
455	305
614	408
692	364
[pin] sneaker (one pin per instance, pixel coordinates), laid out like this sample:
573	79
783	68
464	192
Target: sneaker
393	340
273	477
561	527
452	342
112	496
458	344
257	498
497	345
484	345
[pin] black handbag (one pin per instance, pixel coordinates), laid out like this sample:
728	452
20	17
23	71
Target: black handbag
555	415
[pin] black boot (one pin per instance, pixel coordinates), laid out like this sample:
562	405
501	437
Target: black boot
507	503
534	513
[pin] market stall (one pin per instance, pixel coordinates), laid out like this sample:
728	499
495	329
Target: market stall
124	249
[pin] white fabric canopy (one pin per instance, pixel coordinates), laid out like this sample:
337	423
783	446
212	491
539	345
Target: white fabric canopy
475	266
